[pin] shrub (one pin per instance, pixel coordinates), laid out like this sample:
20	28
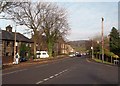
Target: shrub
111	54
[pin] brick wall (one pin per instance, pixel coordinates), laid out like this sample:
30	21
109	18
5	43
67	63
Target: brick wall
7	59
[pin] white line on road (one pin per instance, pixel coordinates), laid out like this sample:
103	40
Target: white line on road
51	77
46	79
13	72
39	82
65	70
60	72
56	74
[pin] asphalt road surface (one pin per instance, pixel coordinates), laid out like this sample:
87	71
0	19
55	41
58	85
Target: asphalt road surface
77	70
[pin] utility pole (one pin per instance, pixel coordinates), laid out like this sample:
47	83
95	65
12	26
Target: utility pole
15	43
102	33
92	49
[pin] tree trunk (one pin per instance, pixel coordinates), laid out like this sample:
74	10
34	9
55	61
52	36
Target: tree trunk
50	46
35	42
111	59
34	48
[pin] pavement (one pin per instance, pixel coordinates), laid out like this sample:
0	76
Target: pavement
32	62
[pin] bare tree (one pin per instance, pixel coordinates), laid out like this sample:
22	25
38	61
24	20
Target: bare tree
41	40
30	14
54	24
5	5
46	16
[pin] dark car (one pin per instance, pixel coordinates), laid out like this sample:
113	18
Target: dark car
23	59
78	55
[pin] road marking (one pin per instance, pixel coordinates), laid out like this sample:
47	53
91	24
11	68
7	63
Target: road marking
60	72
55	75
39	82
65	70
51	77
46	79
14	72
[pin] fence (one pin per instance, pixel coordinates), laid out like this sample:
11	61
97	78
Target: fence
107	58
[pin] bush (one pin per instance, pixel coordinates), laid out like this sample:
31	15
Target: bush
111	54
107	53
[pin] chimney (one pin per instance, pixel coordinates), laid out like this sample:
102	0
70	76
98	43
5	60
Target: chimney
9	28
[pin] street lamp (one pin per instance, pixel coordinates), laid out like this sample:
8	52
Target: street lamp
15	43
102	33
98	44
92	49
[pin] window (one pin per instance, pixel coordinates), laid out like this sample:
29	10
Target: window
7	54
29	45
38	53
12	53
44	53
26	44
8	43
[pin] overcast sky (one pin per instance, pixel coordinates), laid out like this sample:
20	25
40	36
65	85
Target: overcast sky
85	18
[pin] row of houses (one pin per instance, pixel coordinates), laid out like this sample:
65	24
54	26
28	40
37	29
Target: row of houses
8	40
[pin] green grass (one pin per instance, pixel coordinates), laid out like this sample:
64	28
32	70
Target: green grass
98	60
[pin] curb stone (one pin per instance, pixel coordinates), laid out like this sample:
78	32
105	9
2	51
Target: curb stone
40	61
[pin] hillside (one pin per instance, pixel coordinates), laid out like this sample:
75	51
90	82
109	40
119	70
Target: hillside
80	45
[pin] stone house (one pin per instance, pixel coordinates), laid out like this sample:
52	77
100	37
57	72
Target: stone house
62	47
8	40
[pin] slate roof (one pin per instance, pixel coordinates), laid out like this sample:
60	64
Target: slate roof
19	37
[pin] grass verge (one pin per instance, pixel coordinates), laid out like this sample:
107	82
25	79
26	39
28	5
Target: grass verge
100	61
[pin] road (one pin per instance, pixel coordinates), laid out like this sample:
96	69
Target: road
77	70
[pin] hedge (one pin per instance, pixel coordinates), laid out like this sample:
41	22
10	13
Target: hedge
108	53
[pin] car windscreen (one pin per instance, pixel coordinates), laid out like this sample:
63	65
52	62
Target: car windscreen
44	53
38	53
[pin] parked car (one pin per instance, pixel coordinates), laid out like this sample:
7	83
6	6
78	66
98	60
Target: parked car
78	55
23	59
71	54
42	54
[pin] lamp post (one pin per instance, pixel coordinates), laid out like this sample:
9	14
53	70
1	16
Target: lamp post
92	49
15	42
98	44
102	33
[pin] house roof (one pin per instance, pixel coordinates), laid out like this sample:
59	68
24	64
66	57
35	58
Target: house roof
10	36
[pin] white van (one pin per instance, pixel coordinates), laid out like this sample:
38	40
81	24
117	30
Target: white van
42	54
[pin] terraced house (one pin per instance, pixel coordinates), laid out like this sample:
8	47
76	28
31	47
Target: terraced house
23	45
